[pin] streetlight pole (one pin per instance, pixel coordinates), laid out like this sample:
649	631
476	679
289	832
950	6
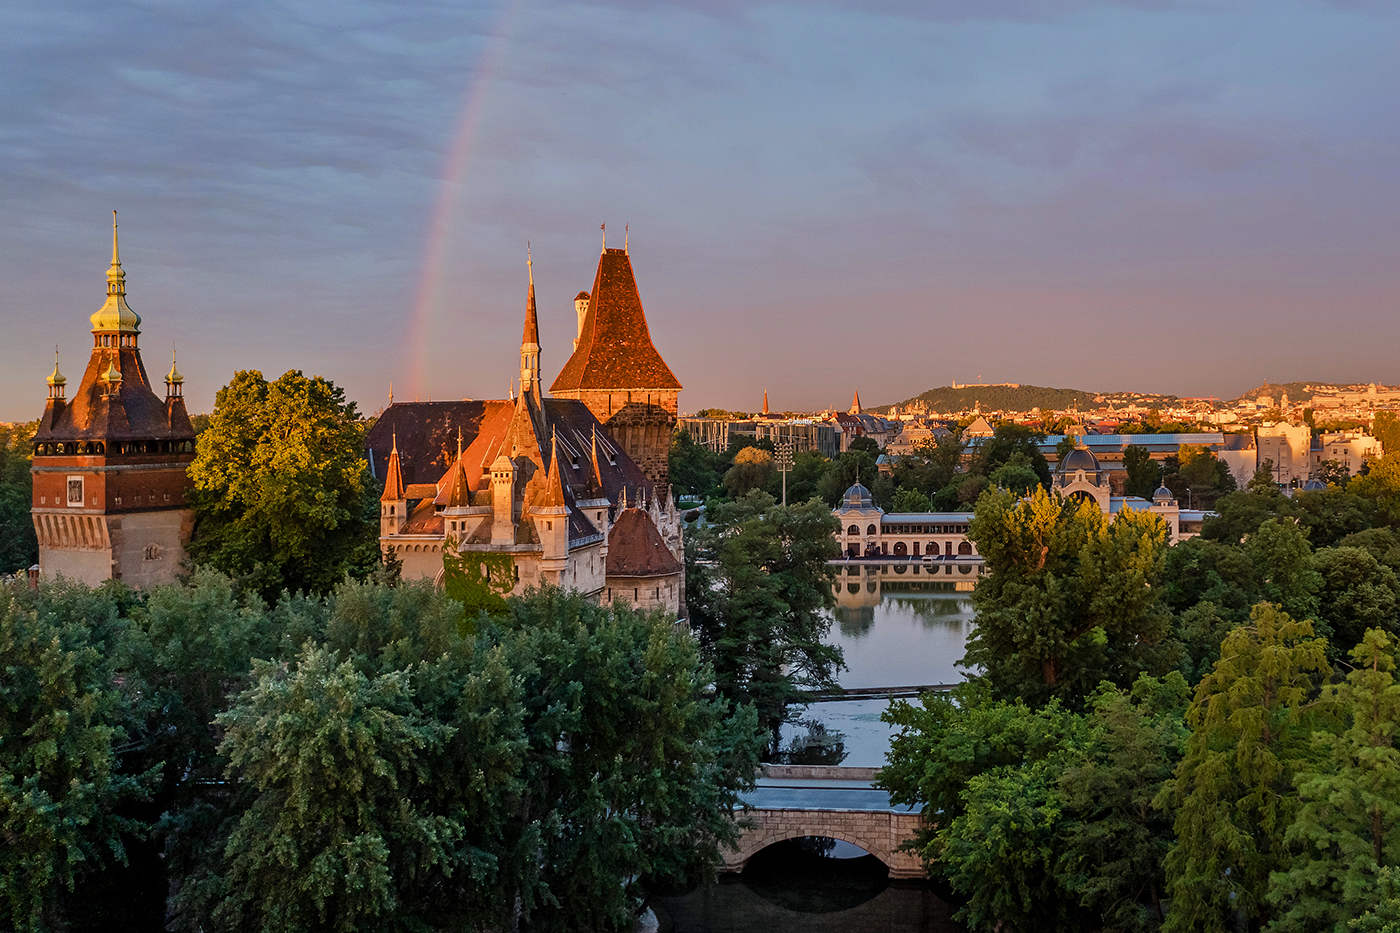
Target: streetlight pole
784	464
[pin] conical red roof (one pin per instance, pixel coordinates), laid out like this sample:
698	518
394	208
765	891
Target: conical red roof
615	349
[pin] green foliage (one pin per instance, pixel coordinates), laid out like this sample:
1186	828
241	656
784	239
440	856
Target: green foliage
479	581
911	500
805	477
1385	427
1333	473
694	470
757	586
1010	444
19	547
1251	721
61	723
1347	827
280	489
1042	819
866	444
1381	486
753	469
1384	917
1283	565
1198	477
1381	543
1069	598
1144	473
627	774
1357	593
845	470
1016	475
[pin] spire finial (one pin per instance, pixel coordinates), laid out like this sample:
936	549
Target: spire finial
395	436
116	278
56	379
391	391
625	231
173	378
529	263
604	228
459	442
116	259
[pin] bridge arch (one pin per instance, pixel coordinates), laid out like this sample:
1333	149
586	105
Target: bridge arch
878	832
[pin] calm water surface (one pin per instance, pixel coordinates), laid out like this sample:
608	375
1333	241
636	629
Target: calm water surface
899	625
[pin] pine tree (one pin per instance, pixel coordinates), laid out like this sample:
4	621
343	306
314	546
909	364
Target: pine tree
1348	825
1251	721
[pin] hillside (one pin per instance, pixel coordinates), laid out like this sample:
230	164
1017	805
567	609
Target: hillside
1025	397
1297	391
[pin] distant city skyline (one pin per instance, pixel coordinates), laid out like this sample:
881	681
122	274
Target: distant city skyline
1157	197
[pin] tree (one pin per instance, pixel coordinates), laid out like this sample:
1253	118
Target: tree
1357	593
911	500
1016	475
1239	514
1333	473
1205	476
1144	473
804	480
753	469
1347	827
694	470
1263	479
1385	427
1283	566
1069	597
845	471
61	723
758	588
628	774
19	548
1381	485
340	818
1006	442
1330	514
280	489
1042	819
865	444
1251	721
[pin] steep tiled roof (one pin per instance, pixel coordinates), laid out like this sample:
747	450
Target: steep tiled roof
136	413
615	349
636	548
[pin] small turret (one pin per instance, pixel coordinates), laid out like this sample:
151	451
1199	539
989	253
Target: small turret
530	339
112	380
393	504
56	380
174	382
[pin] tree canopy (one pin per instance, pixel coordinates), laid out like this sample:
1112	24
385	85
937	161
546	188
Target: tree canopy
280	488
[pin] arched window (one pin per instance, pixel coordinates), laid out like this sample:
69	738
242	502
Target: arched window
871	530
853	530
964	549
900	550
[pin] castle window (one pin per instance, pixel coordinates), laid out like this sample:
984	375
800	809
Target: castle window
75	491
152	552
549	526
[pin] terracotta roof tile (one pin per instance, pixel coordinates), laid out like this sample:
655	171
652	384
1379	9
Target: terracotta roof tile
615	349
636	548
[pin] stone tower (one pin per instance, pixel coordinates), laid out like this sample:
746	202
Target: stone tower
616	371
109	463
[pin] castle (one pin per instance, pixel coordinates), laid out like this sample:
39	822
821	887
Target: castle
109	463
569	490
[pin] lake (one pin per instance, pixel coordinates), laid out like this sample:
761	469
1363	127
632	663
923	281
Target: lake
899	625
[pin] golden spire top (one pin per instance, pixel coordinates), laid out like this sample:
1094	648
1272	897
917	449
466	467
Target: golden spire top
113	375
116	278
115	316
395	435
173	377
56	378
459	442
391	391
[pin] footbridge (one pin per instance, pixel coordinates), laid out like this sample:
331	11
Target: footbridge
838	803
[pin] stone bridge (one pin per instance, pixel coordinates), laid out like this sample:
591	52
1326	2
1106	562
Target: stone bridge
837	803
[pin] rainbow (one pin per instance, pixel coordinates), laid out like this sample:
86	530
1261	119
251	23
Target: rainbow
459	159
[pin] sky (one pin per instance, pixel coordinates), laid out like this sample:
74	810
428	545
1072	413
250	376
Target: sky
891	195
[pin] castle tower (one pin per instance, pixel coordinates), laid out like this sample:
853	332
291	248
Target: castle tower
109	463
616	371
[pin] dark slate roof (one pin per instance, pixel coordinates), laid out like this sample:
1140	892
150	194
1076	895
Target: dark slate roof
636	548
137	412
615	349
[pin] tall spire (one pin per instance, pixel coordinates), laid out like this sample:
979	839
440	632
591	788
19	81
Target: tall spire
765	401
855	404
116	278
393	482
530	338
115	316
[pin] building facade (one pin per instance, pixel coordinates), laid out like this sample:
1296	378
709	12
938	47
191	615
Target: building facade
109	462
541	483
868	531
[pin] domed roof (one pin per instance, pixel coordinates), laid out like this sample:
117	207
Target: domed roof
1080	458
1314	485
1162	493
857	497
